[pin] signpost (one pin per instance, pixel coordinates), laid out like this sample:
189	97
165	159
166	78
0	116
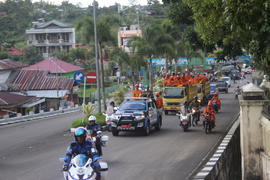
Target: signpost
91	77
78	77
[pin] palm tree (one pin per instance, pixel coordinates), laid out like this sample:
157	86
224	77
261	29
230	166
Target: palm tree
104	38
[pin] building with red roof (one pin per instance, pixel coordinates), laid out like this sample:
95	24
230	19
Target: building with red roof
54	66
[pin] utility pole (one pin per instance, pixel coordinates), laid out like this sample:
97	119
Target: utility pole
96	56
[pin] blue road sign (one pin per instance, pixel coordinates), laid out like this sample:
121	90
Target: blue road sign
78	77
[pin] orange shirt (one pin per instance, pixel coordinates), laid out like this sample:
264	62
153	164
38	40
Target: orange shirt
137	93
211	112
159	102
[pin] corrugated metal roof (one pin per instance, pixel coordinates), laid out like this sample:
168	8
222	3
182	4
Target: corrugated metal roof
54	65
39	80
9	99
6	64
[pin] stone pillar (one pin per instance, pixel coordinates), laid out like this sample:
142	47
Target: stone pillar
251	106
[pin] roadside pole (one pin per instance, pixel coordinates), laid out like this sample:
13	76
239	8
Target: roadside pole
96	56
84	82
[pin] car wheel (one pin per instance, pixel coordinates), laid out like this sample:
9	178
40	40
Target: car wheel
147	129
115	132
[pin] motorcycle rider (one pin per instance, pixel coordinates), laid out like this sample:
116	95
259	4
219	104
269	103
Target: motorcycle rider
92	127
80	146
210	110
195	104
237	92
216	99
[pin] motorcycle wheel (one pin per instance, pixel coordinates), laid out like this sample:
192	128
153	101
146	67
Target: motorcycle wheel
185	128
207	128
158	125
147	129
166	112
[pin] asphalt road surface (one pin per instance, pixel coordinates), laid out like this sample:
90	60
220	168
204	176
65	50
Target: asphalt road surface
31	150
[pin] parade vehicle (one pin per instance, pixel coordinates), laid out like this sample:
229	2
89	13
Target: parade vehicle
203	91
174	96
136	114
85	168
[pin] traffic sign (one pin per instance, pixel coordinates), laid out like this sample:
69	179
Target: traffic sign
91	77
78	77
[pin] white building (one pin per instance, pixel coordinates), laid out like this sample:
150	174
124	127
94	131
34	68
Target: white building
124	35
51	37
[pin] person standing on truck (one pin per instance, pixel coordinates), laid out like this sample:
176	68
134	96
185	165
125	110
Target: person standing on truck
136	92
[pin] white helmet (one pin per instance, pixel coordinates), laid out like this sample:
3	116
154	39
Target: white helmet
92	118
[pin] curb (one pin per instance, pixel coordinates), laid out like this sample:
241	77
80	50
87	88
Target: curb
211	164
37	117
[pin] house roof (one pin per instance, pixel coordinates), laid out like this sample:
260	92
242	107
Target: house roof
6	64
11	99
50	23
54	65
27	80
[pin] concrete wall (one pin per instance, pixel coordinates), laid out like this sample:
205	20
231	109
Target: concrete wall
265	154
225	163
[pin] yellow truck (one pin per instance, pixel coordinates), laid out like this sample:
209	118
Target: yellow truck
203	91
174	96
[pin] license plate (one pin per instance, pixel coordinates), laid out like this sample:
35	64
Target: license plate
126	126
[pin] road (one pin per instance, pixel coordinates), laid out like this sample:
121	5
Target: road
30	150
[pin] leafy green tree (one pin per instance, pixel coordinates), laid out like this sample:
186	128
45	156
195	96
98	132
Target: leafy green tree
31	56
119	56
235	24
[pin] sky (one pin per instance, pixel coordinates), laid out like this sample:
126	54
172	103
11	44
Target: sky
102	3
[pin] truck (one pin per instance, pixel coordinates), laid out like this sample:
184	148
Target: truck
203	91
174	96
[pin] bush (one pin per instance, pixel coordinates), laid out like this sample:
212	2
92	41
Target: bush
83	121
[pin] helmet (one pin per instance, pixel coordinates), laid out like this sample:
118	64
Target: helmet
80	132
92	118
136	85
157	94
195	97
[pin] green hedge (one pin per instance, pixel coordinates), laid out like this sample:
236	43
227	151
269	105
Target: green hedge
101	119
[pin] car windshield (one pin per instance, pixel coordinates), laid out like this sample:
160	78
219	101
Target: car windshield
133	105
174	92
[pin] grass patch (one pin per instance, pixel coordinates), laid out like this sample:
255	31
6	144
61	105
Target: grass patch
83	121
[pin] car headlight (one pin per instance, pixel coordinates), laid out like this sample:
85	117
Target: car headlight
140	117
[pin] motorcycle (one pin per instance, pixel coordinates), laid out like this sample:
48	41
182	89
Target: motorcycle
184	121
208	124
85	168
99	141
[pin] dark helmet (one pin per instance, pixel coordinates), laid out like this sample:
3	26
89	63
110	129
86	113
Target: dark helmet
195	97
80	132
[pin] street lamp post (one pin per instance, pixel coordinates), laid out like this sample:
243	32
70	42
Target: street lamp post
96	56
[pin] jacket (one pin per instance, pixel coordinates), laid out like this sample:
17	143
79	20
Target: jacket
93	129
75	148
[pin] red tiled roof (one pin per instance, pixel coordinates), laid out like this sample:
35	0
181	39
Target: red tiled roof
15	51
6	64
9	99
54	65
27	80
